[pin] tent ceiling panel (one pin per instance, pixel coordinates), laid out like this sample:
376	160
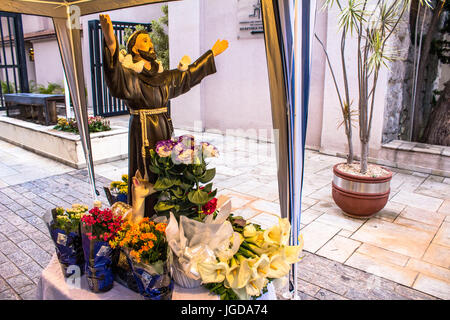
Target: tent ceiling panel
57	8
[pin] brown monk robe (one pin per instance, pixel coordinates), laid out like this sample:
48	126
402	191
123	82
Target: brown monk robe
149	91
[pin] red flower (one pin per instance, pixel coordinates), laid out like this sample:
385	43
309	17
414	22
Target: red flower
210	207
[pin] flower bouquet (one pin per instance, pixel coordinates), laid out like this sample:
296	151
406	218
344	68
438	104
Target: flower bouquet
229	256
98	227
262	257
119	190
64	228
184	181
147	251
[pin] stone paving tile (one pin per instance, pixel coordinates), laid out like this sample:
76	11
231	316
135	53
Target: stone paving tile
9	295
30	294
390	211
267	206
17	236
310	215
19	258
427	217
349	282
339	248
435	287
416	224
438	255
443	235
418	200
324	294
445	207
307	288
32	270
429	269
335	217
20	283
3	258
8	247
383	254
8	270
238	200
316	234
434	189
382	269
383	234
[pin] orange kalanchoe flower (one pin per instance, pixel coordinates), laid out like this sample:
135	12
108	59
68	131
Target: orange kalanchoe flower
146	240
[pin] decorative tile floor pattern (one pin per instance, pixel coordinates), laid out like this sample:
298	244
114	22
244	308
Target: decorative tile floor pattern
401	253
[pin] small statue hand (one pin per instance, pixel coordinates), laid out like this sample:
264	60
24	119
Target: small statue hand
108	32
219	47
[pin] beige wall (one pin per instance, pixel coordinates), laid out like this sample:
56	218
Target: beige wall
237	96
315	109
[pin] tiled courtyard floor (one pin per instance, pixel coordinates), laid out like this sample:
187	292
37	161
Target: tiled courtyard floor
401	253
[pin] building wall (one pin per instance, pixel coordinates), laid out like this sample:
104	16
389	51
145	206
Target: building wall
47	62
237	96
318	67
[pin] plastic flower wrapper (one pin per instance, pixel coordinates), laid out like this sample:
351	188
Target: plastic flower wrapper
64	227
193	242
146	249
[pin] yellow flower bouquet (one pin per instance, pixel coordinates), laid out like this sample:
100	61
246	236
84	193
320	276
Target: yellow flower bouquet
262	257
145	246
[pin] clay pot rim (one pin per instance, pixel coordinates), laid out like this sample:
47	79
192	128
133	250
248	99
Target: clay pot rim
356	178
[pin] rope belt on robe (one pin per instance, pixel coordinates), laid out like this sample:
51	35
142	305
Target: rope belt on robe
143	113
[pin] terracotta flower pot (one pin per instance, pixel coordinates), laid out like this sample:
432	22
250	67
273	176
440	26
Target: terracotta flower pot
360	197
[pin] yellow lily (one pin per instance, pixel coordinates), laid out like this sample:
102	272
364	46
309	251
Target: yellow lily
292	253
257	238
212	272
260	266
278	266
255	286
249	231
238	275
279	234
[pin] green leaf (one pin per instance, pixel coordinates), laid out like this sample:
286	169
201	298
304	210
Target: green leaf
163	183
188	175
198	197
208	175
212	195
198	170
163	206
154	169
208	187
178	192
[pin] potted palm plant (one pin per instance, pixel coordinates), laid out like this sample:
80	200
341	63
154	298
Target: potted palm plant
362	189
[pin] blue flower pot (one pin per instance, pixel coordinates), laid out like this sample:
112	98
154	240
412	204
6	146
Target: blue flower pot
68	250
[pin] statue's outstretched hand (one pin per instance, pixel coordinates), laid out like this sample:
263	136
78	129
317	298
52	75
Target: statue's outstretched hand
108	32
219	47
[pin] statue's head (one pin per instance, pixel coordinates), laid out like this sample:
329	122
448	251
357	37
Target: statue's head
140	44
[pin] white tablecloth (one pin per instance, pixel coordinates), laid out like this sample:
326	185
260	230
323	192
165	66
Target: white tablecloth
53	286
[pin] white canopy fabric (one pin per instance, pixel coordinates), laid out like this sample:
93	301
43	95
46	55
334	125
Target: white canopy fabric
58	8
